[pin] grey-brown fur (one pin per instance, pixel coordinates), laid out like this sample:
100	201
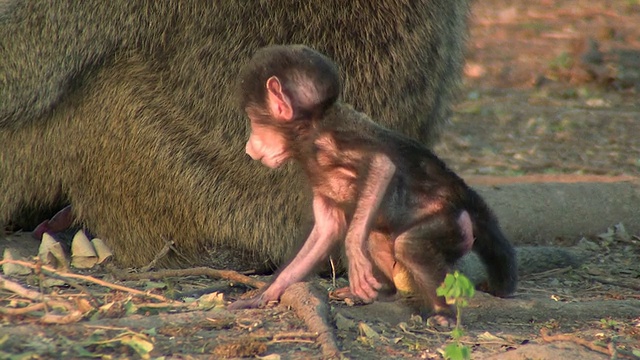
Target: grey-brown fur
131	119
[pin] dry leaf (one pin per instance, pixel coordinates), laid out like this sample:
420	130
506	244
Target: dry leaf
487	336
51	253
13	269
269	357
83	255
102	250
366	331
211	300
83	305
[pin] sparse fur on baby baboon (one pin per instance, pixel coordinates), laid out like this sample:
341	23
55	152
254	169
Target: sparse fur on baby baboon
124	110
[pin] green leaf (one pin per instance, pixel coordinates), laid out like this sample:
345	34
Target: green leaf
456	351
139	344
130	308
151	285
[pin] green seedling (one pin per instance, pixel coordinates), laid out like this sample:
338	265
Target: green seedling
457	290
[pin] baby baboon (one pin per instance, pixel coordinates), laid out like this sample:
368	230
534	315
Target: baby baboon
389	197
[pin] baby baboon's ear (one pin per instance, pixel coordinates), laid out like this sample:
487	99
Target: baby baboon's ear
279	103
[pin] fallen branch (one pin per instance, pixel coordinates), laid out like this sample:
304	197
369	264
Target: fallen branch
16	288
548	273
172	305
311	308
303	337
49	270
300	297
199	271
19	290
570	338
610	350
620	283
22	310
47	301
69	318
285	337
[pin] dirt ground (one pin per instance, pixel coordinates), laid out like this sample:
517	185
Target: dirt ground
550	89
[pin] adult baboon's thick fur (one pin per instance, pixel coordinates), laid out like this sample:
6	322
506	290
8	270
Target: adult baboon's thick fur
124	109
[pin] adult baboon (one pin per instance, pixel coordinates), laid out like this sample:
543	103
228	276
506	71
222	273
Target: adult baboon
124	110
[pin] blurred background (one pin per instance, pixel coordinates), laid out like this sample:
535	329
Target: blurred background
550	87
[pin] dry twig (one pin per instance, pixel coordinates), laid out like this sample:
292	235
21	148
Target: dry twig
199	271
570	338
303	337
545	274
168	246
74	313
620	283
49	270
47	301
610	350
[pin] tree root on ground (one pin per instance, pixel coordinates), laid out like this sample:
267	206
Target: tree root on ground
308	305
